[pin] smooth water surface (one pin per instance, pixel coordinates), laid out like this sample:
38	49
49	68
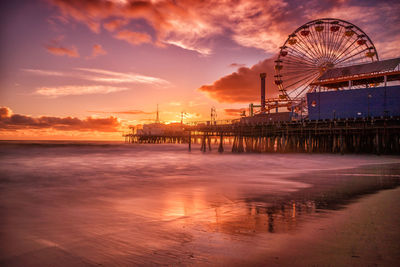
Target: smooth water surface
118	204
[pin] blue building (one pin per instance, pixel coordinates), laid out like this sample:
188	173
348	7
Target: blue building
337	93
355	103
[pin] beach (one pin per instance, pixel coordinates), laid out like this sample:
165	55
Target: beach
94	203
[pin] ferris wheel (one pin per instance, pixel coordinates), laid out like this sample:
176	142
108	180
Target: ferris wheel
315	47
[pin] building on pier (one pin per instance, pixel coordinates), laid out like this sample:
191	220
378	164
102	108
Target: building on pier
356	103
357	91
159	129
267	117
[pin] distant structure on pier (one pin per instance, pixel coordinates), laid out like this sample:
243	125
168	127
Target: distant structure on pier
157	128
157	116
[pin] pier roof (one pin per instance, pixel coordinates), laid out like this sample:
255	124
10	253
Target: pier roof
369	73
368	68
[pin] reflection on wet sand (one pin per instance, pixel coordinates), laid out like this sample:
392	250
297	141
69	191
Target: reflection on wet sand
279	214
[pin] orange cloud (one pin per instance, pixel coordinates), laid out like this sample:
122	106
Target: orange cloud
90	12
243	86
134	38
5	112
251	23
9	121
98	50
189	24
62	51
114	24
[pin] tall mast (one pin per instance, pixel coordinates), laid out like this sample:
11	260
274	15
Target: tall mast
158	118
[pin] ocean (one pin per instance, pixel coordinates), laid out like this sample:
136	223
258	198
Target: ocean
103	203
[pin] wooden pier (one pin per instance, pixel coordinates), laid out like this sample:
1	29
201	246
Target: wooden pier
373	136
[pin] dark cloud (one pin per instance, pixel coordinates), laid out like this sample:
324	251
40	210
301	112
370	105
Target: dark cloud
9	121
243	86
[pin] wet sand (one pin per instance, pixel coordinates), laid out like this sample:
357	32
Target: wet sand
365	233
159	205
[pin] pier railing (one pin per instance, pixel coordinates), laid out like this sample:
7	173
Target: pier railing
212	123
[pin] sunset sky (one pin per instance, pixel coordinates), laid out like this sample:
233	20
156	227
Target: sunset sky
87	69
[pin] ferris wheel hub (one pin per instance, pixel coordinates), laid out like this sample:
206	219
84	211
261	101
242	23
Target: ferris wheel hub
325	66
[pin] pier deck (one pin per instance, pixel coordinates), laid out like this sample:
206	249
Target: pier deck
367	135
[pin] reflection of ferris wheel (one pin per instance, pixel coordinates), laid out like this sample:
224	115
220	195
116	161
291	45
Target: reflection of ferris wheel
315	47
